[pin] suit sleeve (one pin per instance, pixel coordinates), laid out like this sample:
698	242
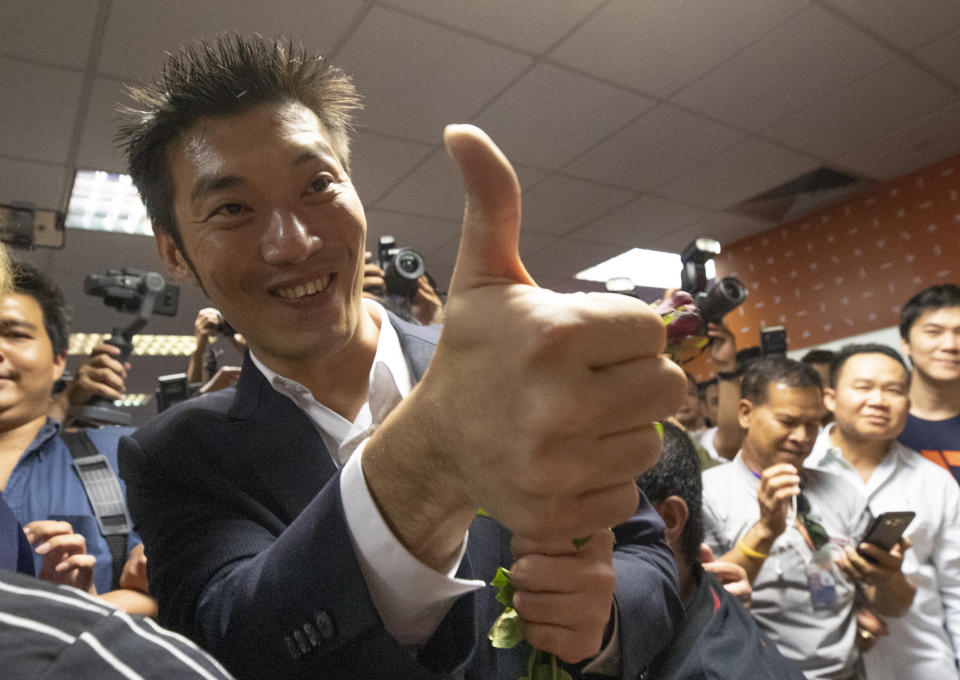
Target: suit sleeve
268	598
647	594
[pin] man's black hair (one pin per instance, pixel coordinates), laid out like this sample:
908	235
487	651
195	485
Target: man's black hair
28	280
818	356
226	77
934	297
747	355
677	473
841	357
778	370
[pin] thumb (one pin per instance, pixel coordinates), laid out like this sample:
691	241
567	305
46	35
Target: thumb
489	242
706	554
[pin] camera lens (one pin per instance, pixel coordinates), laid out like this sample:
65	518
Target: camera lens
408	263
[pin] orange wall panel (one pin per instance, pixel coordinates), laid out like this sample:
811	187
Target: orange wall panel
848	268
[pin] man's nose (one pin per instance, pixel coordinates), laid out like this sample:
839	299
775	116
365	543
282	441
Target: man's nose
288	239
799	433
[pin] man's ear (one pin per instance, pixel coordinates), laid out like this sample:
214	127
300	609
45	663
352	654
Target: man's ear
905	349
59	365
675	514
172	258
745	412
830	399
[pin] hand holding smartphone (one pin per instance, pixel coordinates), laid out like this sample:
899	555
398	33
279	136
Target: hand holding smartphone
885	531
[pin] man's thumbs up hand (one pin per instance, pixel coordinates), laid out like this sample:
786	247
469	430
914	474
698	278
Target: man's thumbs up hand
536	407
489	241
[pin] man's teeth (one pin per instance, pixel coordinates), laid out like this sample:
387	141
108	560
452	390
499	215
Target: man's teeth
315	286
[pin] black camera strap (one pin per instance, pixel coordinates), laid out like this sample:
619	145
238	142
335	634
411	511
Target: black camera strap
106	497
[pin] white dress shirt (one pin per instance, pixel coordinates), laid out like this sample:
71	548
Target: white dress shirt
924	643
411	598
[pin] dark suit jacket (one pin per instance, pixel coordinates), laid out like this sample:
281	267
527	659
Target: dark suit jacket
239	507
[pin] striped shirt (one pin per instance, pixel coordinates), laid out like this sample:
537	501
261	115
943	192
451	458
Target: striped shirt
54	631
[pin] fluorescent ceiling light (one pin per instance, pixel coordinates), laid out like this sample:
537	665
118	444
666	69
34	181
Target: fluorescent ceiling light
106	201
144	345
130	400
646	268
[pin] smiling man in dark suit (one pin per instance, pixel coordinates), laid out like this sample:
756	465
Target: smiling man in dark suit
321	517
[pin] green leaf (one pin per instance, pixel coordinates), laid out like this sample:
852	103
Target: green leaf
505	589
580	542
505	632
482	513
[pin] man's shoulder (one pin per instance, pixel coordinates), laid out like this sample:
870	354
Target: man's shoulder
830	484
719	476
195	416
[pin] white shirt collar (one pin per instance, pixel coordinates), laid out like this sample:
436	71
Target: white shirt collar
390	382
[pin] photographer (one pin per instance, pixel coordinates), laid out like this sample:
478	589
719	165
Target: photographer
202	370
424	307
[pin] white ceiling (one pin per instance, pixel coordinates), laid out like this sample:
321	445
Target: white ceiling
630	122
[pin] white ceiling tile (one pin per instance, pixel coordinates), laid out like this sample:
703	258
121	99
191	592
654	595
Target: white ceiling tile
943	56
52	31
140	32
801	62
640	222
378	162
98	147
37	110
660	46
527	26
885	100
917	145
728	228
417	77
560	204
552	115
41	184
661	145
425	234
738	173
908	23
435	189
563	259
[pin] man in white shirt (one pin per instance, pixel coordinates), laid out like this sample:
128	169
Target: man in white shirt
868	390
312	521
791	528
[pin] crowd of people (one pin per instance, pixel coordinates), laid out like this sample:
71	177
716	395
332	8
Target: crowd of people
336	506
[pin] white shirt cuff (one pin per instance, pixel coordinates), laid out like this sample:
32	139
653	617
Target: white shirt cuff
411	598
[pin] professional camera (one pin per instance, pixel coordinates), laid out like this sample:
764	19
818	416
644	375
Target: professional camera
714	301
402	267
128	290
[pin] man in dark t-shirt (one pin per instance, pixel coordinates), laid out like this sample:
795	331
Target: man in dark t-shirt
930	336
717	638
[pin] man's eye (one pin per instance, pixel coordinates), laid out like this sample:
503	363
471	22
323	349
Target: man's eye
229	209
321	183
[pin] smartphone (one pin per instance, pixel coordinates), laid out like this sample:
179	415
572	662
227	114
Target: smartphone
885	530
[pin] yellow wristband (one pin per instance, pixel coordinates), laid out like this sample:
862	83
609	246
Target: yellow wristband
750	552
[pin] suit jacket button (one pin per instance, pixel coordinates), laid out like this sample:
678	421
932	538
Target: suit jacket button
291	648
313	635
325	625
301	641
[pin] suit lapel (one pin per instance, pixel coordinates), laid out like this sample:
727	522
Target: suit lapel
279	455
